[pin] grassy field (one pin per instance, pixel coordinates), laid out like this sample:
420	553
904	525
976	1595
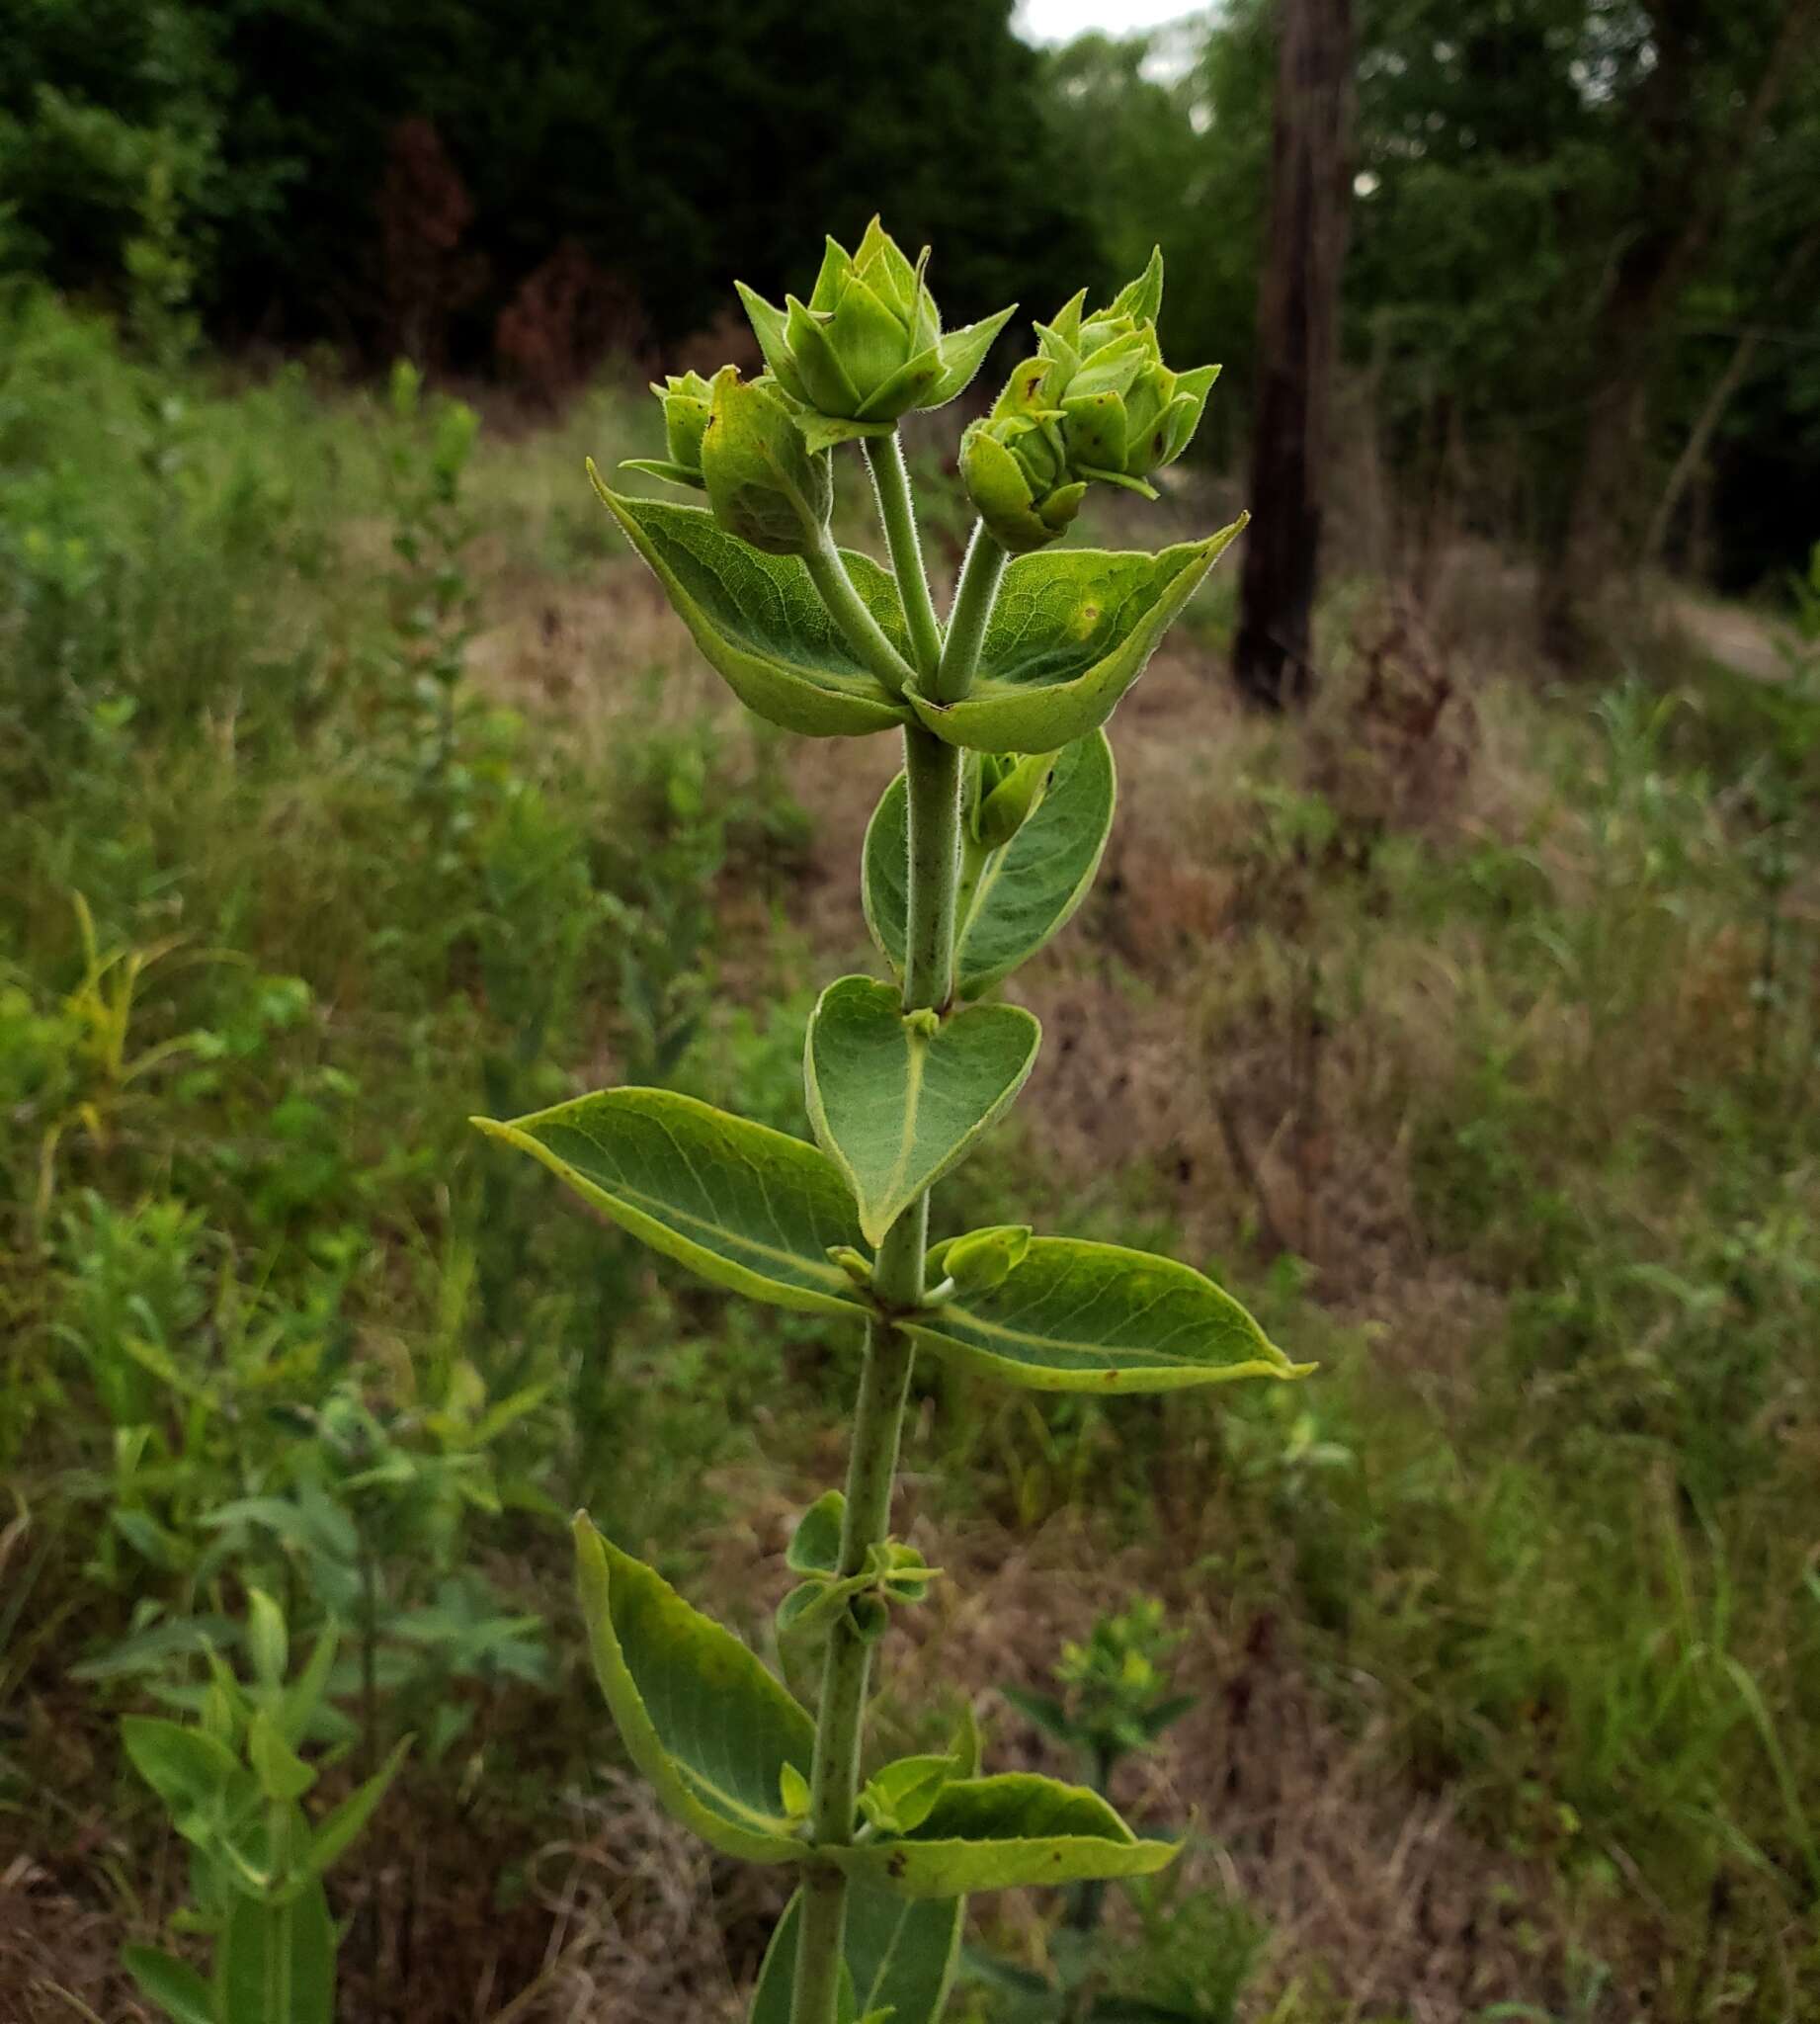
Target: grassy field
353	779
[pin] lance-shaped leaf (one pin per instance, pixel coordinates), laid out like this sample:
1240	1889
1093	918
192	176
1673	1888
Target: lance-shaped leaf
204	1788
1072	629
902	1955
987	1833
341	1827
173	1985
760	624
747	1207
897	1099
1020	895
1078	1316
698	1714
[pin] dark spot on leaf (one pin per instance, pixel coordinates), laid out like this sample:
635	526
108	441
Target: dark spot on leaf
898	1864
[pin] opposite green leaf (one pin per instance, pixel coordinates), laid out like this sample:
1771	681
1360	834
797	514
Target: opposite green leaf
202	1784
277	1963
1078	1316
698	1714
281	1773
339	1828
987	1833
173	1985
899	1796
1073	629
1017	898
815	1545
759	624
899	1099
747	1207
902	1955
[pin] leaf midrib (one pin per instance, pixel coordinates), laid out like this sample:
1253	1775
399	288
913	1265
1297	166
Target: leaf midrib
918	1045
1129	1356
661	1210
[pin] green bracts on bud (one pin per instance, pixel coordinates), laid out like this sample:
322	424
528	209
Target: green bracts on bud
1125	414
867	347
687	400
1084	332
763	480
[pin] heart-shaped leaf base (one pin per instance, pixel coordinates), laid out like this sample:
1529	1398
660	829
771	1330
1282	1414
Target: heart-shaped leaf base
897	1099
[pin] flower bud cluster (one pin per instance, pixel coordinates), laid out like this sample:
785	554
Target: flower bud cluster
1096	402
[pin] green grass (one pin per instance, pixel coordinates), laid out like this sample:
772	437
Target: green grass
285	905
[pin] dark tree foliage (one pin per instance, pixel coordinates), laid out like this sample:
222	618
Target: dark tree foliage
675	142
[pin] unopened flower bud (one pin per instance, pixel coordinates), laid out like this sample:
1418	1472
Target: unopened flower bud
763	482
1123	413
687	399
986	1258
1015	464
867	347
1007	803
855	1263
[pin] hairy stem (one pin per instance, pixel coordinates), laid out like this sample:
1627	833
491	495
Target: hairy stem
862	632
974	596
884	459
934	781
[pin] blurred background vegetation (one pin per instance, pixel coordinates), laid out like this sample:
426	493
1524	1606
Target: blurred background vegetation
353	778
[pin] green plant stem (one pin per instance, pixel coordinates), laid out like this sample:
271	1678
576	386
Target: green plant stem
884	459
862	632
974	596
933	772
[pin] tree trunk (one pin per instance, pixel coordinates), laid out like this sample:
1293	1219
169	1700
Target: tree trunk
1691	192
1298	312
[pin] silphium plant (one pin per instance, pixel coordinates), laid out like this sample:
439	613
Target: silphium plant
979	852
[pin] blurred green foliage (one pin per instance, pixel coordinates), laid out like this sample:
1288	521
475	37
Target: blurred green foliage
1507	154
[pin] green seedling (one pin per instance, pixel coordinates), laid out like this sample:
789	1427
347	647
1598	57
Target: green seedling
979	852
233	1783
1113	1700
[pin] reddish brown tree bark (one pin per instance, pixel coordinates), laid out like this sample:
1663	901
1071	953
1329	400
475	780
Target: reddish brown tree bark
1298	314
